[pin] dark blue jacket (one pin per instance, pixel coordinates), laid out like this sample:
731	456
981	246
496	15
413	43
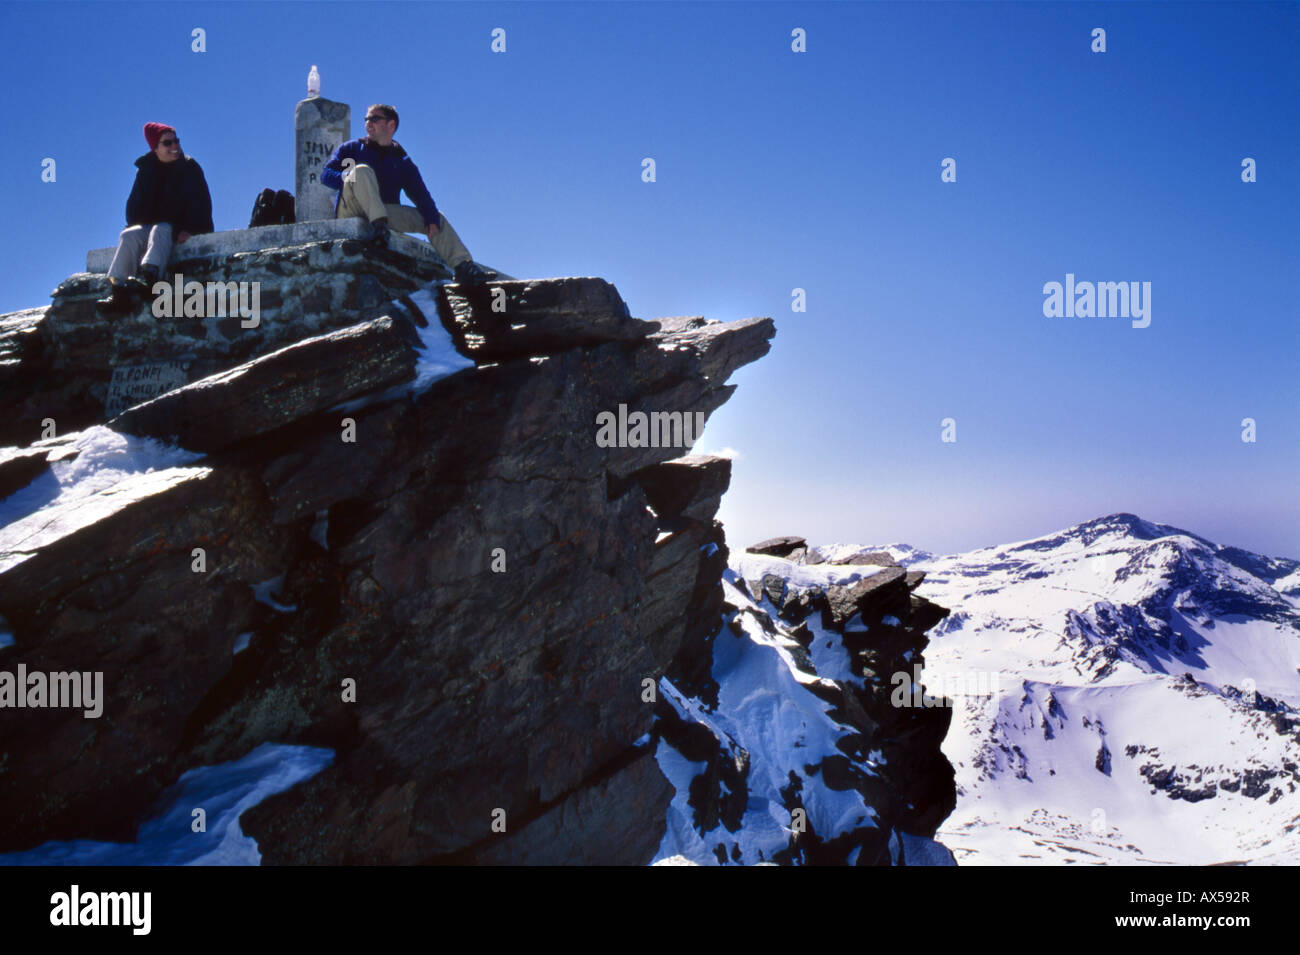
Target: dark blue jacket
174	192
394	170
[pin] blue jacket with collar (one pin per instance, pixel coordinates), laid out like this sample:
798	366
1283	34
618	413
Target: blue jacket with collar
394	170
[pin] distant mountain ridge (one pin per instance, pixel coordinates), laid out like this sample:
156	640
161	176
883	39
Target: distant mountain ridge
1149	709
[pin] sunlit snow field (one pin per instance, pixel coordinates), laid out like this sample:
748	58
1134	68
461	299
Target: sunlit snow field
1027	758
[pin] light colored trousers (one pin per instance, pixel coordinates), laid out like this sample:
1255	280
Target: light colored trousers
361	198
154	242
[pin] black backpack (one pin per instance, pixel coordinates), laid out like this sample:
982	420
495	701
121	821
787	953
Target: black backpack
272	208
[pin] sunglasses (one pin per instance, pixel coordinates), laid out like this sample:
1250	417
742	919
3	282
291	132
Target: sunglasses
378	119
168	142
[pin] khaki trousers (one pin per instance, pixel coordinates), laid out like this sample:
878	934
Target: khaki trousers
153	242
361	198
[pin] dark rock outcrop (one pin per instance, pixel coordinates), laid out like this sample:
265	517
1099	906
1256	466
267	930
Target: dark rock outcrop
469	600
495	589
541	317
889	731
65	362
779	547
277	389
20	466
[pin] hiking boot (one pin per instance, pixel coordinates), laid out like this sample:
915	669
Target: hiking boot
116	304
379	229
136	290
470	272
140	287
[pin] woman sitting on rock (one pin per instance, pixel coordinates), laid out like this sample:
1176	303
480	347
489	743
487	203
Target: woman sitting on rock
169	202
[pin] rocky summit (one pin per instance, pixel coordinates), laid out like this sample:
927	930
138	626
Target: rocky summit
377	521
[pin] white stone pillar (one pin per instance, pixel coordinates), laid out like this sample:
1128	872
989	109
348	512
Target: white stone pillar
319	126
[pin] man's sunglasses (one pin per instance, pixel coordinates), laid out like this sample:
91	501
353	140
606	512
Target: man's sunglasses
378	119
168	142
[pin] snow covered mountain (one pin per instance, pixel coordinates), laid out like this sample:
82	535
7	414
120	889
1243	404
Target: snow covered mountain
1124	692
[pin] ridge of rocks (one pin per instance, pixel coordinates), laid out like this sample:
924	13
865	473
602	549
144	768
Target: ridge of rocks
478	687
496	587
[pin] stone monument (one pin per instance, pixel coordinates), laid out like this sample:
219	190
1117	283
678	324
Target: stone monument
319	126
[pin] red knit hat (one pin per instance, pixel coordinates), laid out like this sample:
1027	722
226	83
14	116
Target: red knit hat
153	132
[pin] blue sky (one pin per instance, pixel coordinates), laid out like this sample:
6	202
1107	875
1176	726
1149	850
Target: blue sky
779	170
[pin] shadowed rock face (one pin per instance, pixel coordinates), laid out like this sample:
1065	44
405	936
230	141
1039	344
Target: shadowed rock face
497	586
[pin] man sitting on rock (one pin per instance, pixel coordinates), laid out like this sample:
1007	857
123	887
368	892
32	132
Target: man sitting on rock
169	202
370	174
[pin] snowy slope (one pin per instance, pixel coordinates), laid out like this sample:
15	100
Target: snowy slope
174	835
776	738
765	711
1144	705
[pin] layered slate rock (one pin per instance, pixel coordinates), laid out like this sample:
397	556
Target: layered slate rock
106	585
20	466
535	317
689	556
68	363
497	585
791	547
691	486
277	389
872	598
20	344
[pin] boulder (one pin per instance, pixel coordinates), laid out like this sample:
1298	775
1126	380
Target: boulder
778	546
880	594
277	389
515	318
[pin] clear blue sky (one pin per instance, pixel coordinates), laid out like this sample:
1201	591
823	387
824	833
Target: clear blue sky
816	170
